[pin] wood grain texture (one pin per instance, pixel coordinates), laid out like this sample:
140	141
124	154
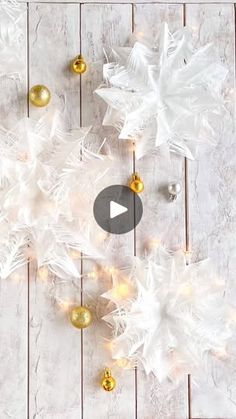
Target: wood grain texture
55	355
156	400
13	351
13	77
104	26
212	209
13	290
53	43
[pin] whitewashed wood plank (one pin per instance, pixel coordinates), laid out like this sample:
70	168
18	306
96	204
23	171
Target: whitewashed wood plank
13	352
157	170
14	290
55	356
212	209
54	42
13	103
102	26
155	400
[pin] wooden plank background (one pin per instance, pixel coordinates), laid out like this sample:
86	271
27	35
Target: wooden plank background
48	370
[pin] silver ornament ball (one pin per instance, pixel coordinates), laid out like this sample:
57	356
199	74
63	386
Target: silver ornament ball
174	188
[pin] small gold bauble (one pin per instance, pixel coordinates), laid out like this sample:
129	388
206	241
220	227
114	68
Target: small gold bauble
39	95
79	65
80	317
136	183
108	382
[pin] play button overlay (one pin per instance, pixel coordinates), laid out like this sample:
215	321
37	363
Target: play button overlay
117	209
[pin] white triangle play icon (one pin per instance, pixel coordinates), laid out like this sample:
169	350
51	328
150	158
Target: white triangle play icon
116	209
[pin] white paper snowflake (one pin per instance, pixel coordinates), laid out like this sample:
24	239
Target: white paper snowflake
168	315
166	95
48	181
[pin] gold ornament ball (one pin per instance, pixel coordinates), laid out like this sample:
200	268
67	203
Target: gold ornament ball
108	382
136	183
80	317
79	65
39	95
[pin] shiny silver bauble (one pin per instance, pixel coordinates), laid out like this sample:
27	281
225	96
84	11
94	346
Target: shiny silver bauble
174	188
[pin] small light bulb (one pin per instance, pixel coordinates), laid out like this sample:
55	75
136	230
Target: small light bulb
122	290
102	236
154	243
140	34
16	277
23	156
219	283
43	273
221	353
186	290
92	275
110	270
188	252
122	363
74	254
65	305
109	345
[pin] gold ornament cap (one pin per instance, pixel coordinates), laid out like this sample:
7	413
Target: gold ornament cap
80	317
136	183
79	65
108	382
39	95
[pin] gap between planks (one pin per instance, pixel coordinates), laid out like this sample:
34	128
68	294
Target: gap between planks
186	213
28	264
81	262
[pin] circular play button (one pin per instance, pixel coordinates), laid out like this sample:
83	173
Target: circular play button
117	209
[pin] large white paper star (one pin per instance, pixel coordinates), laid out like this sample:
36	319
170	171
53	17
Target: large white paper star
168	314
170	95
48	181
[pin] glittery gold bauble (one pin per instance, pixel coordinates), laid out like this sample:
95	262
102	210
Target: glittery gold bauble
79	65
108	382
136	183
80	317
39	95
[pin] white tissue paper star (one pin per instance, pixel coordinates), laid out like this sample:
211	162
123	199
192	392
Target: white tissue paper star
167	95
167	315
48	181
